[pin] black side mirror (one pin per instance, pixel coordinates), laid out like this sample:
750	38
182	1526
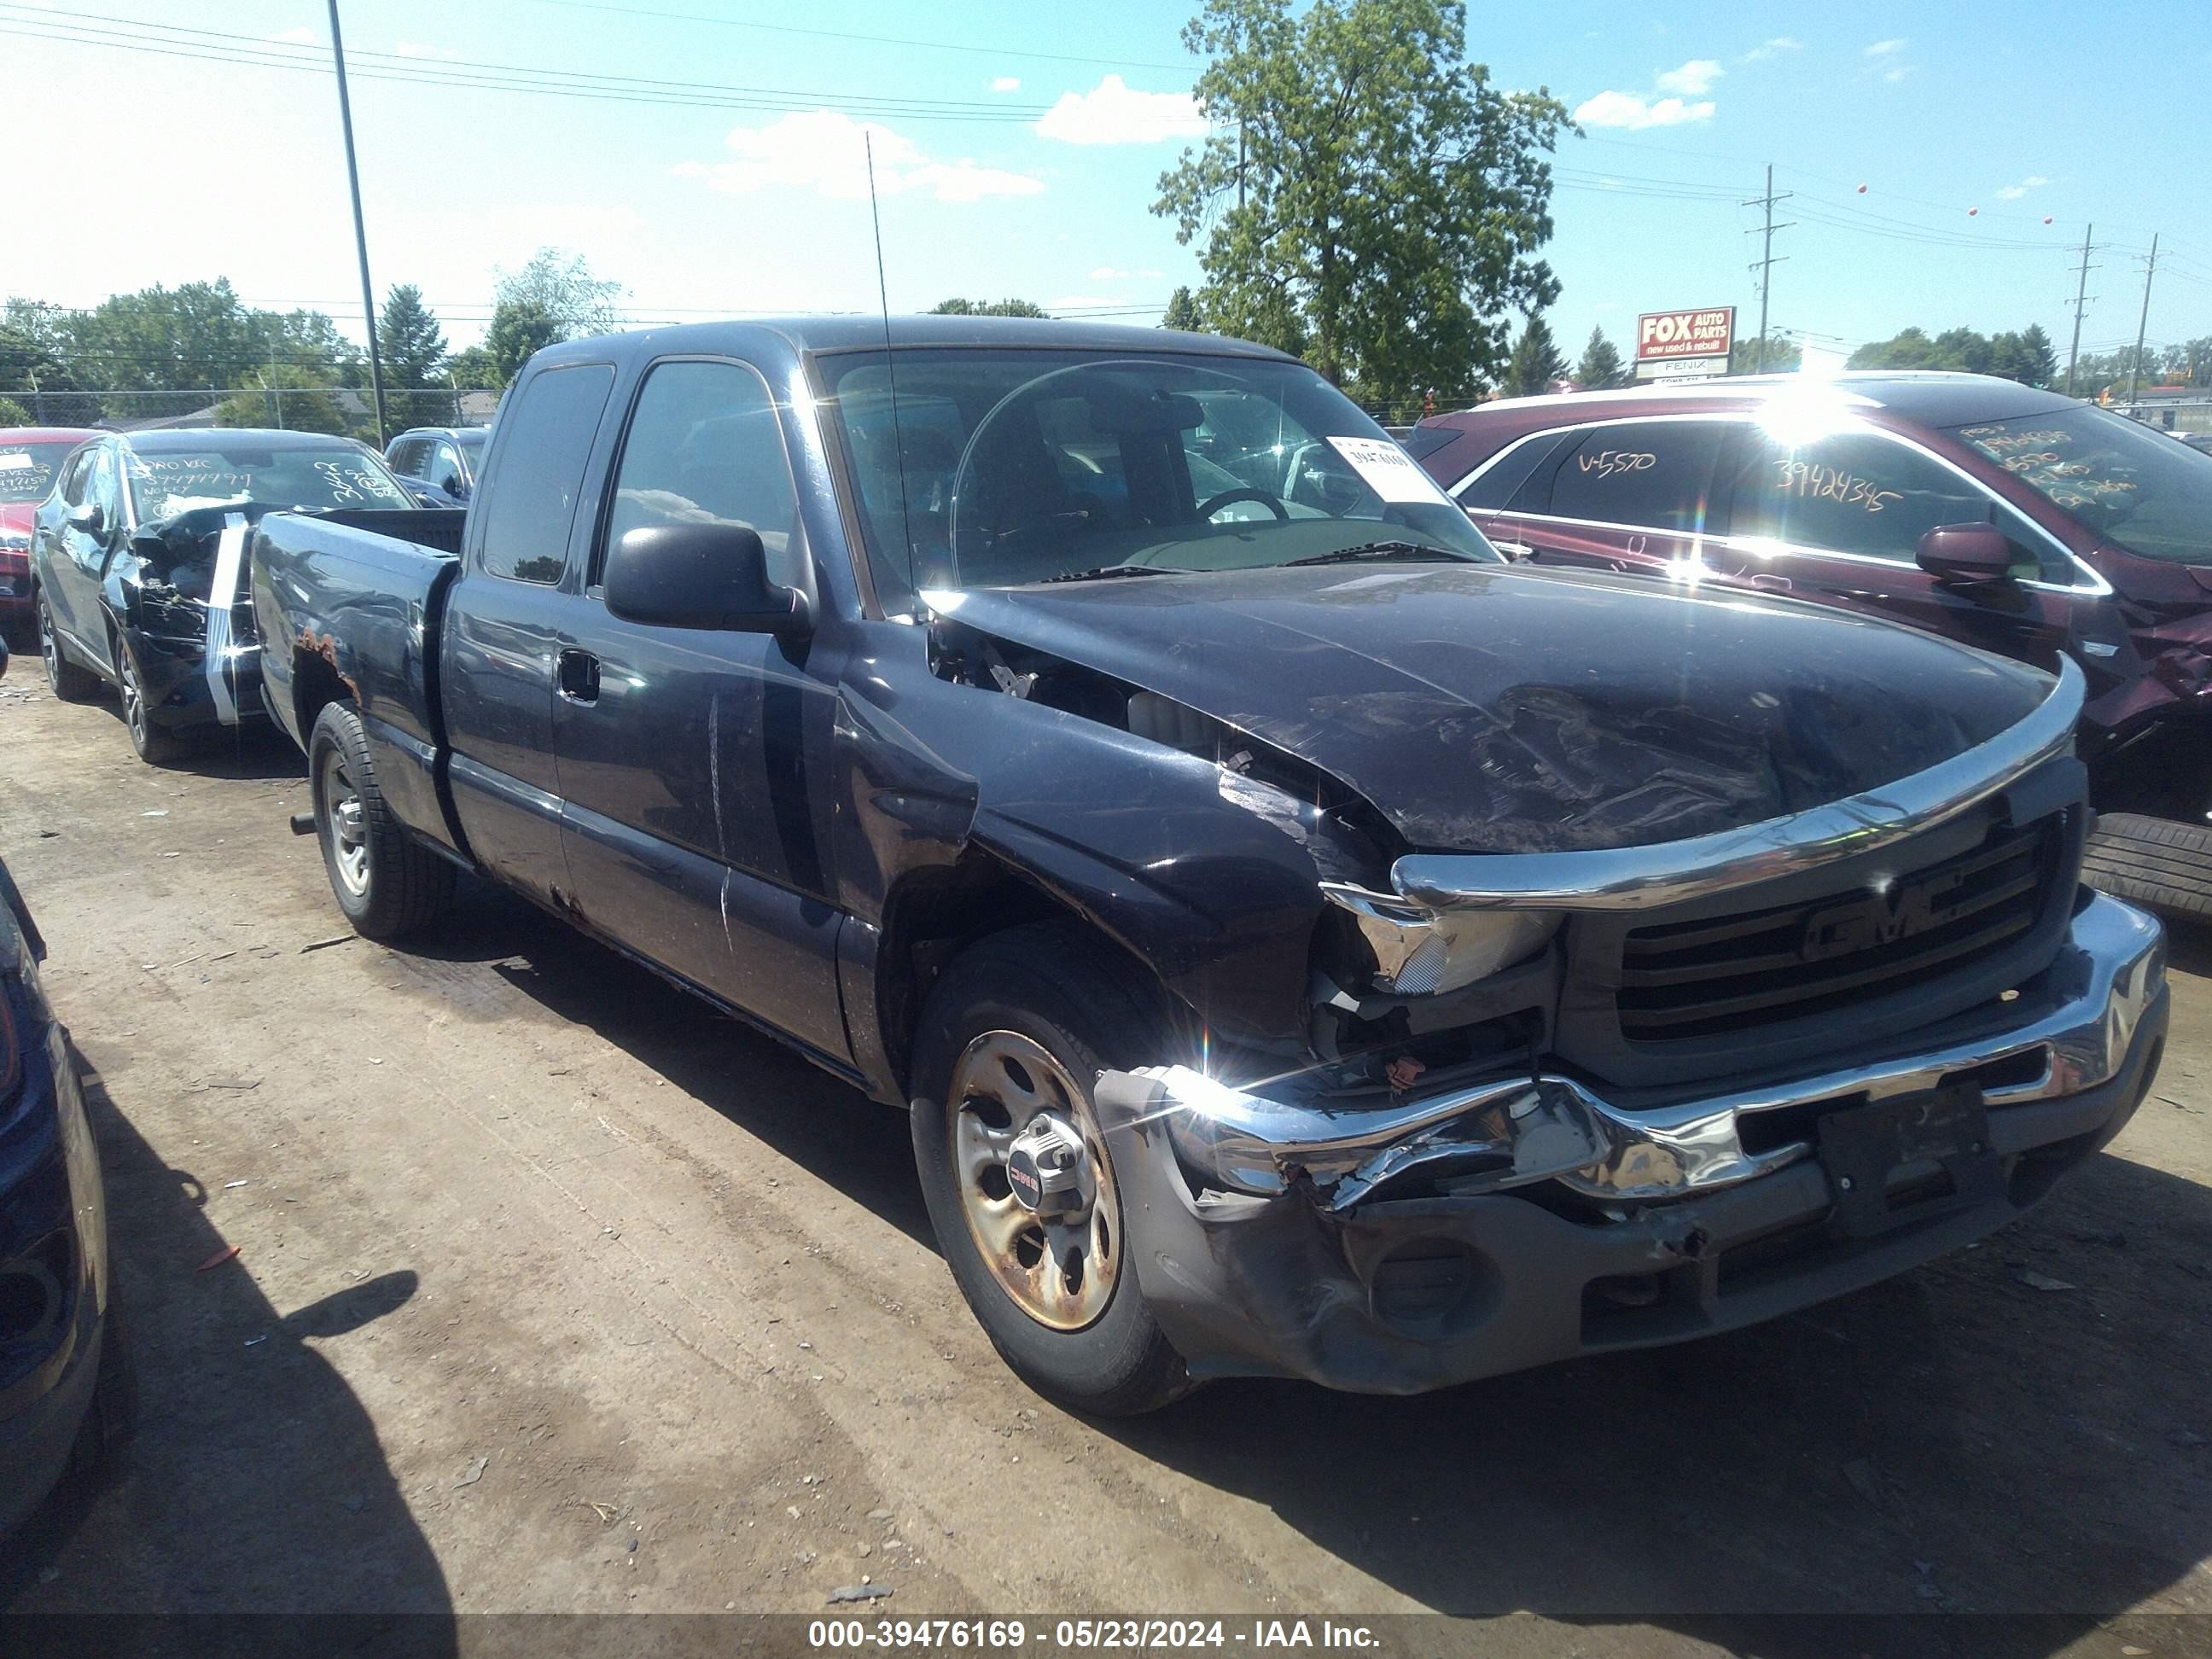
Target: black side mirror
701	575
88	520
1966	553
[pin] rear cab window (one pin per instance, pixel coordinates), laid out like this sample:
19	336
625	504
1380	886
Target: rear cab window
529	505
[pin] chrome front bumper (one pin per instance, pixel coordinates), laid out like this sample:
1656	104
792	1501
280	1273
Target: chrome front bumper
2070	1033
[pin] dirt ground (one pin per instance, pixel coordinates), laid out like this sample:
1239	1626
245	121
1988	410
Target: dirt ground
556	1293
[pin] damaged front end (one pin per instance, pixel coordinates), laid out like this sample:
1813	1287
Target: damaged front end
1724	1077
189	611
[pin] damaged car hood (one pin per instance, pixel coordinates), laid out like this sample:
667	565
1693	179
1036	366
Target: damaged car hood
1492	709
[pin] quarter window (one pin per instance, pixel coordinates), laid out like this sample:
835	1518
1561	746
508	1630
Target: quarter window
705	446
1655	474
1518	479
531	502
1855	492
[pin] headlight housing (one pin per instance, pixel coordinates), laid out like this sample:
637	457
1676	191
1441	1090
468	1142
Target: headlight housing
1421	951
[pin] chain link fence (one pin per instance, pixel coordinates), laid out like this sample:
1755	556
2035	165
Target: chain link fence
344	409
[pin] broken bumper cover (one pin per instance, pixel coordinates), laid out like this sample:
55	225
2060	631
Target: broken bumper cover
1487	1229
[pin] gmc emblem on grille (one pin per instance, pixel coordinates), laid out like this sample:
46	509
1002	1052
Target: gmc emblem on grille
1862	924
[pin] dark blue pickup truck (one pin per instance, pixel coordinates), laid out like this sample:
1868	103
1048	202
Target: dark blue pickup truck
1305	943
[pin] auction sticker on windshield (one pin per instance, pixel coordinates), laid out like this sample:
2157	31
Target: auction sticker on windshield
1388	470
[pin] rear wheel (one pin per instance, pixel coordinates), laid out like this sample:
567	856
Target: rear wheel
1015	1167
2162	864
68	682
388	884
155	746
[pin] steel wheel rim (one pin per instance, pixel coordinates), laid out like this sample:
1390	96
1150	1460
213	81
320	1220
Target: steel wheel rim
49	647
347	831
134	697
1061	1272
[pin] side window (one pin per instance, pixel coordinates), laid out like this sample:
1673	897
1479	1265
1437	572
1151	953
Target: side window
704	447
80	475
104	487
1658	474
1849	492
531	503
1517	479
406	457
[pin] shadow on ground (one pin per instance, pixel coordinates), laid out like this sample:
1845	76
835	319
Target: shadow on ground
1956	1440
254	1480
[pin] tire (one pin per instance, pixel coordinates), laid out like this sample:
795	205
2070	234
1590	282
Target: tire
2163	863
1047	989
388	884
148	741
68	682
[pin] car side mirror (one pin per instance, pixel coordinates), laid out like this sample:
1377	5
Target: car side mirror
701	575
1966	553
88	520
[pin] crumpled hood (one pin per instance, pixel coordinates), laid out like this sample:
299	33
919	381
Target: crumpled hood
1488	708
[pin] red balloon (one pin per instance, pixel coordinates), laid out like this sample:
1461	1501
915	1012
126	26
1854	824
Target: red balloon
2046	218
1862	190
1972	212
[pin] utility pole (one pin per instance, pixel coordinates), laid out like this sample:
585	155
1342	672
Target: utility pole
360	230
2142	324
1767	263
2080	305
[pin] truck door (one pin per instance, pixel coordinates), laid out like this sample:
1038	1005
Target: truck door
501	644
79	557
1837	517
692	760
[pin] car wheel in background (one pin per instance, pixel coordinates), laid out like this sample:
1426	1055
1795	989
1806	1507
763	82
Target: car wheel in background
387	884
63	677
2162	864
1021	1191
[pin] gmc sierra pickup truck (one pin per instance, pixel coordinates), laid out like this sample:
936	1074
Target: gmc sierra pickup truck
1305	943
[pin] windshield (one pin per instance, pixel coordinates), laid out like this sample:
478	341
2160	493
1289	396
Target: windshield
166	484
26	471
2137	488
1007	467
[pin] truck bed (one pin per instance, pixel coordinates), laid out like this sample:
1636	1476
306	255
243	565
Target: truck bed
348	605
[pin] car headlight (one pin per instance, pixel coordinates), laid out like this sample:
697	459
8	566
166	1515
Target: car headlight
1420	951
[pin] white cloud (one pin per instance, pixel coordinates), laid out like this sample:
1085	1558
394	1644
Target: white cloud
1900	71
1113	112
1887	48
824	150
416	49
1694	79
1774	48
1626	109
2013	192
1005	84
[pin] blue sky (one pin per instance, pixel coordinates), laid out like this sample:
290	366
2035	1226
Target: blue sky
1040	186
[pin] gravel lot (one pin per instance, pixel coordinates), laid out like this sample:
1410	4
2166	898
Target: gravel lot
557	1292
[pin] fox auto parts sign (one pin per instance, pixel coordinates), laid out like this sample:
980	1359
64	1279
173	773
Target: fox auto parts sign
1669	343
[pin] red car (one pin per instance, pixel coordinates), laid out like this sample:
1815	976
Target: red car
2019	520
30	456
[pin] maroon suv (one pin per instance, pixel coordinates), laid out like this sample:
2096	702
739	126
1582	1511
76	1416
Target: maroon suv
2019	520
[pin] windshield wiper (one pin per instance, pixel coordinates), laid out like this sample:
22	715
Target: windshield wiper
1106	572
1420	551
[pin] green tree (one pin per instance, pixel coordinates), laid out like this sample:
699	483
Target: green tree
1600	368
987	308
1536	361
2042	358
1367	198
413	347
1783	355
14	414
519	329
284	395
560	286
1182	312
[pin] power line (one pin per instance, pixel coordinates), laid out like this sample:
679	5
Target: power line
2135	365
1767	259
2081	307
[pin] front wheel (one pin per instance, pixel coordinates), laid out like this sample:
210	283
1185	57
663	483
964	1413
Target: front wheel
387	884
1014	1166
2162	864
154	745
